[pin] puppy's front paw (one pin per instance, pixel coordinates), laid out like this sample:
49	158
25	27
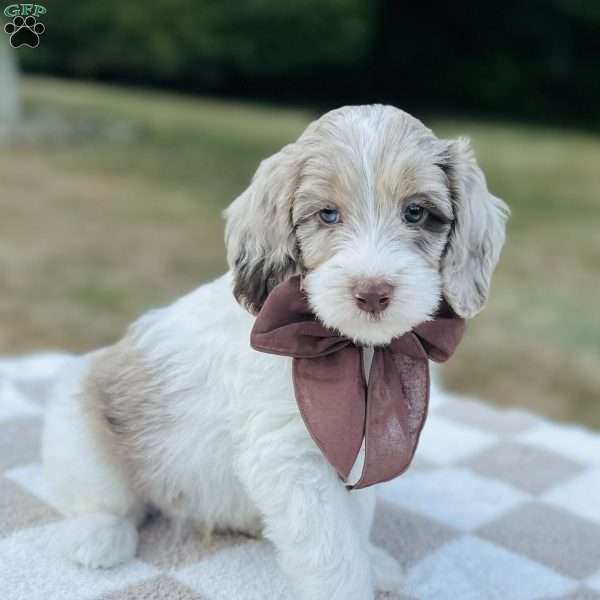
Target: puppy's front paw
387	572
97	540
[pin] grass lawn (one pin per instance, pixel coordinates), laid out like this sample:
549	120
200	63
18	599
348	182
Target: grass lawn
92	235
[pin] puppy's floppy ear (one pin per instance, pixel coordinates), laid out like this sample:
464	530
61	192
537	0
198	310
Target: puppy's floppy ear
259	234
477	235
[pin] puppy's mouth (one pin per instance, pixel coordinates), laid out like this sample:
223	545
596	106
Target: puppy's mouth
363	327
372	317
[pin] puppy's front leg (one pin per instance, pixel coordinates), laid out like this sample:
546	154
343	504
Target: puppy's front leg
308	514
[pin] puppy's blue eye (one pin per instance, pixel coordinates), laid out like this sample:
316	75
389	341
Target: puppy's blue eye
330	216
415	214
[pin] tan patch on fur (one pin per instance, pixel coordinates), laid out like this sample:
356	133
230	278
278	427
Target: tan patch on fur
121	389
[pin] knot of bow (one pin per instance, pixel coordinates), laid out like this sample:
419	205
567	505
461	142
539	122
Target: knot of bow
339	405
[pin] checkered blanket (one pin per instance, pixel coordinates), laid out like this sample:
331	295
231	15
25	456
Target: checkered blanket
499	505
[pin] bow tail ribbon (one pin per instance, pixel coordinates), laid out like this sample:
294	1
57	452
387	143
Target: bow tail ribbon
395	416
388	423
337	427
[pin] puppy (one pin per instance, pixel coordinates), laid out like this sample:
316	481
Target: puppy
183	415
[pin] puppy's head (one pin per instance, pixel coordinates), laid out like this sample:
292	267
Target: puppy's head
382	218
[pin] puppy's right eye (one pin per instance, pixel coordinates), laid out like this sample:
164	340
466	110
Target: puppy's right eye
415	214
330	216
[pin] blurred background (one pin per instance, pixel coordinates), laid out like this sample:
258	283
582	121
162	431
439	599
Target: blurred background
132	125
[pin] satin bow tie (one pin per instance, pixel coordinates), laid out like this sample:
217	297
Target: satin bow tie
339	407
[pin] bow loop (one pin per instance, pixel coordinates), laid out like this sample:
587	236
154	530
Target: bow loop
441	336
298	340
287	326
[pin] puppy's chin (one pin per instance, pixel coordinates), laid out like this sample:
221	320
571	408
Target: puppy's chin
415	300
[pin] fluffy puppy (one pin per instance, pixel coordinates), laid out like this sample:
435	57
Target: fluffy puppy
384	220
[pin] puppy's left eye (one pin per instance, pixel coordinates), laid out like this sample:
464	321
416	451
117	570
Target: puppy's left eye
330	216
415	214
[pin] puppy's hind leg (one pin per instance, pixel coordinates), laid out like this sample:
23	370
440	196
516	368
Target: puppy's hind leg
87	482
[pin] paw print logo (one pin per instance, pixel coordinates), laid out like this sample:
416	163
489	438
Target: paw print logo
24	32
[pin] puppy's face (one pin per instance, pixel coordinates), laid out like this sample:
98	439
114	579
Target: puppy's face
381	217
372	217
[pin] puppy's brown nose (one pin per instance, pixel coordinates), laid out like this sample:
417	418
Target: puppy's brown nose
372	295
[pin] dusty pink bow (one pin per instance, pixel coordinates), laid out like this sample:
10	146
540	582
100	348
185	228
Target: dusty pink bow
338	406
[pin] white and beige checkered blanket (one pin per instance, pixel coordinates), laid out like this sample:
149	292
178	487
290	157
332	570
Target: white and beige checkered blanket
498	505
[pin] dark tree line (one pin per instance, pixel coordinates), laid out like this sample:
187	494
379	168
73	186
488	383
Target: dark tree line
527	58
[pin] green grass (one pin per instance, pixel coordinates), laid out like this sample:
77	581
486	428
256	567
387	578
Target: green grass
92	235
